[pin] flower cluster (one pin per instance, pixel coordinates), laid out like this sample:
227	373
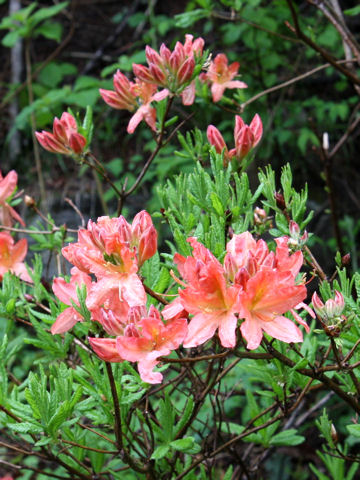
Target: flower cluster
253	284
112	250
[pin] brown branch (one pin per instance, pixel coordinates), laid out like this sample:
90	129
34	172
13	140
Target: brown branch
290	82
329	58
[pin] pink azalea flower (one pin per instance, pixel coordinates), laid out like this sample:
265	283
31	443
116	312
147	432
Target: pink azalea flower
246	138
150	339
65	137
66	293
135	97
207	296
7	187
262	302
173	70
221	76
12	255
112	249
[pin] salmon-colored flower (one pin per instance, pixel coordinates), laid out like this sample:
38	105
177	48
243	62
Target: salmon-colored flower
263	301
135	97
221	76
246	138
65	137
173	70
12	255
112	249
254	284
67	293
150	339
7	187
208	296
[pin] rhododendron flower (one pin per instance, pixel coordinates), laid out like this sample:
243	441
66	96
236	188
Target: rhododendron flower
67	293
112	249
207	296
221	76
65	137
7	187
150	339
246	138
133	96
262	302
172	70
12	255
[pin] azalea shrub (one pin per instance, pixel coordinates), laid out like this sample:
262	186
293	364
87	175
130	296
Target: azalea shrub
200	340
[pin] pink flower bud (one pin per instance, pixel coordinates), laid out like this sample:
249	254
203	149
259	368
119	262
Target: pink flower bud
147	244
152	56
244	142
185	72
230	267
143	73
165	53
105	348
294	229
256	127
77	143
157	74
216	139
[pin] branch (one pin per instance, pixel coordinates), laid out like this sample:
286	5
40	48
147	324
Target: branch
354	79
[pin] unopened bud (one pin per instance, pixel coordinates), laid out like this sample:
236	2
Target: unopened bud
325	141
345	260
28	297
29	201
334	435
260	216
280	200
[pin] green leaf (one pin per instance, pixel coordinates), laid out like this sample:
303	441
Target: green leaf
183	444
160	452
10	39
287	437
354	430
353	11
185	20
228	473
47	12
50	30
26	427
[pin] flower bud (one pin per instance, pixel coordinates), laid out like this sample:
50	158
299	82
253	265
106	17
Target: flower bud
280	200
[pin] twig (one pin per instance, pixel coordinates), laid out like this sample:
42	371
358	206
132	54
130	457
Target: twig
290	82
33	126
354	79
118	427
